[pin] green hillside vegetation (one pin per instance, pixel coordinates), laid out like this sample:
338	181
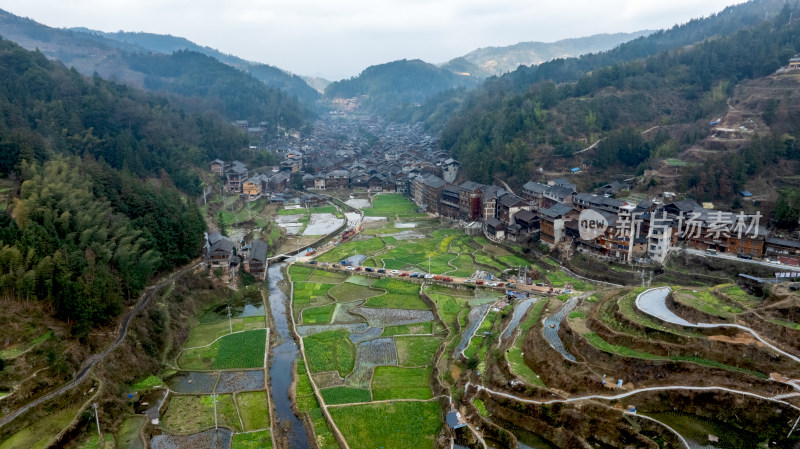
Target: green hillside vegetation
546	124
167	44
137	59
386	87
85	233
239	95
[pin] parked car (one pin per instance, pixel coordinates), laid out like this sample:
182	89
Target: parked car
744	256
478	282
491	284
351	268
430	276
394	272
312	262
469	281
358	268
403	274
381	271
369	269
413	275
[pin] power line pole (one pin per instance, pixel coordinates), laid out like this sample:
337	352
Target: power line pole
230	323
214	399
96	418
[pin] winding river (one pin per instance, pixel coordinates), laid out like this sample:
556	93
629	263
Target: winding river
282	367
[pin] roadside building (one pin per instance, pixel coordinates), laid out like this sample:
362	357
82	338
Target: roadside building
256	262
219	250
784	250
469	200
551	222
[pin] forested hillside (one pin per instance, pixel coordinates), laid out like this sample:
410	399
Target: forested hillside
93	169
492	92
234	94
386	88
225	89
293	85
505	131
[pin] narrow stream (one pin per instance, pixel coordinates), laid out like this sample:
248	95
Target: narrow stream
281	369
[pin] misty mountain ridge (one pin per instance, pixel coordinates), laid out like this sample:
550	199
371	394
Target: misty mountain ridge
499	60
168	44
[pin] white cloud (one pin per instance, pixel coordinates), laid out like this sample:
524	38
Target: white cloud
341	38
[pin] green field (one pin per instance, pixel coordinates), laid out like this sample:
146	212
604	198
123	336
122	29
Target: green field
327	277
205	334
389	205
191	414
705	301
252	440
254	409
19	349
448	306
41	431
330	351
399	295
299	273
348	291
127	436
318	315
305	292
352	248
481	407
392	382
234	351
398	425
323	434
596	341
360	280
147	383
518	367
408	329
345	395
416	351
305	394
242	350
397	301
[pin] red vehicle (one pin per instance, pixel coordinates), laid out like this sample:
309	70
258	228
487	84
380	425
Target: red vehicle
447	279
358	268
479	282
403	274
502	284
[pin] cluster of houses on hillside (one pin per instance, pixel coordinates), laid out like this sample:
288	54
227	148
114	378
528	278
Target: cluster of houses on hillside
641	231
378	156
345	155
221	253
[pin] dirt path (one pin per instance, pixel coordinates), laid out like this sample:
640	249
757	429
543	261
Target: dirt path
93	360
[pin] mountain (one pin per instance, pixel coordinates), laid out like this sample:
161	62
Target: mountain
644	112
93	170
499	60
386	87
91	53
168	44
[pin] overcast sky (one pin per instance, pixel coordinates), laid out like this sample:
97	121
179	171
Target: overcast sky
338	38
